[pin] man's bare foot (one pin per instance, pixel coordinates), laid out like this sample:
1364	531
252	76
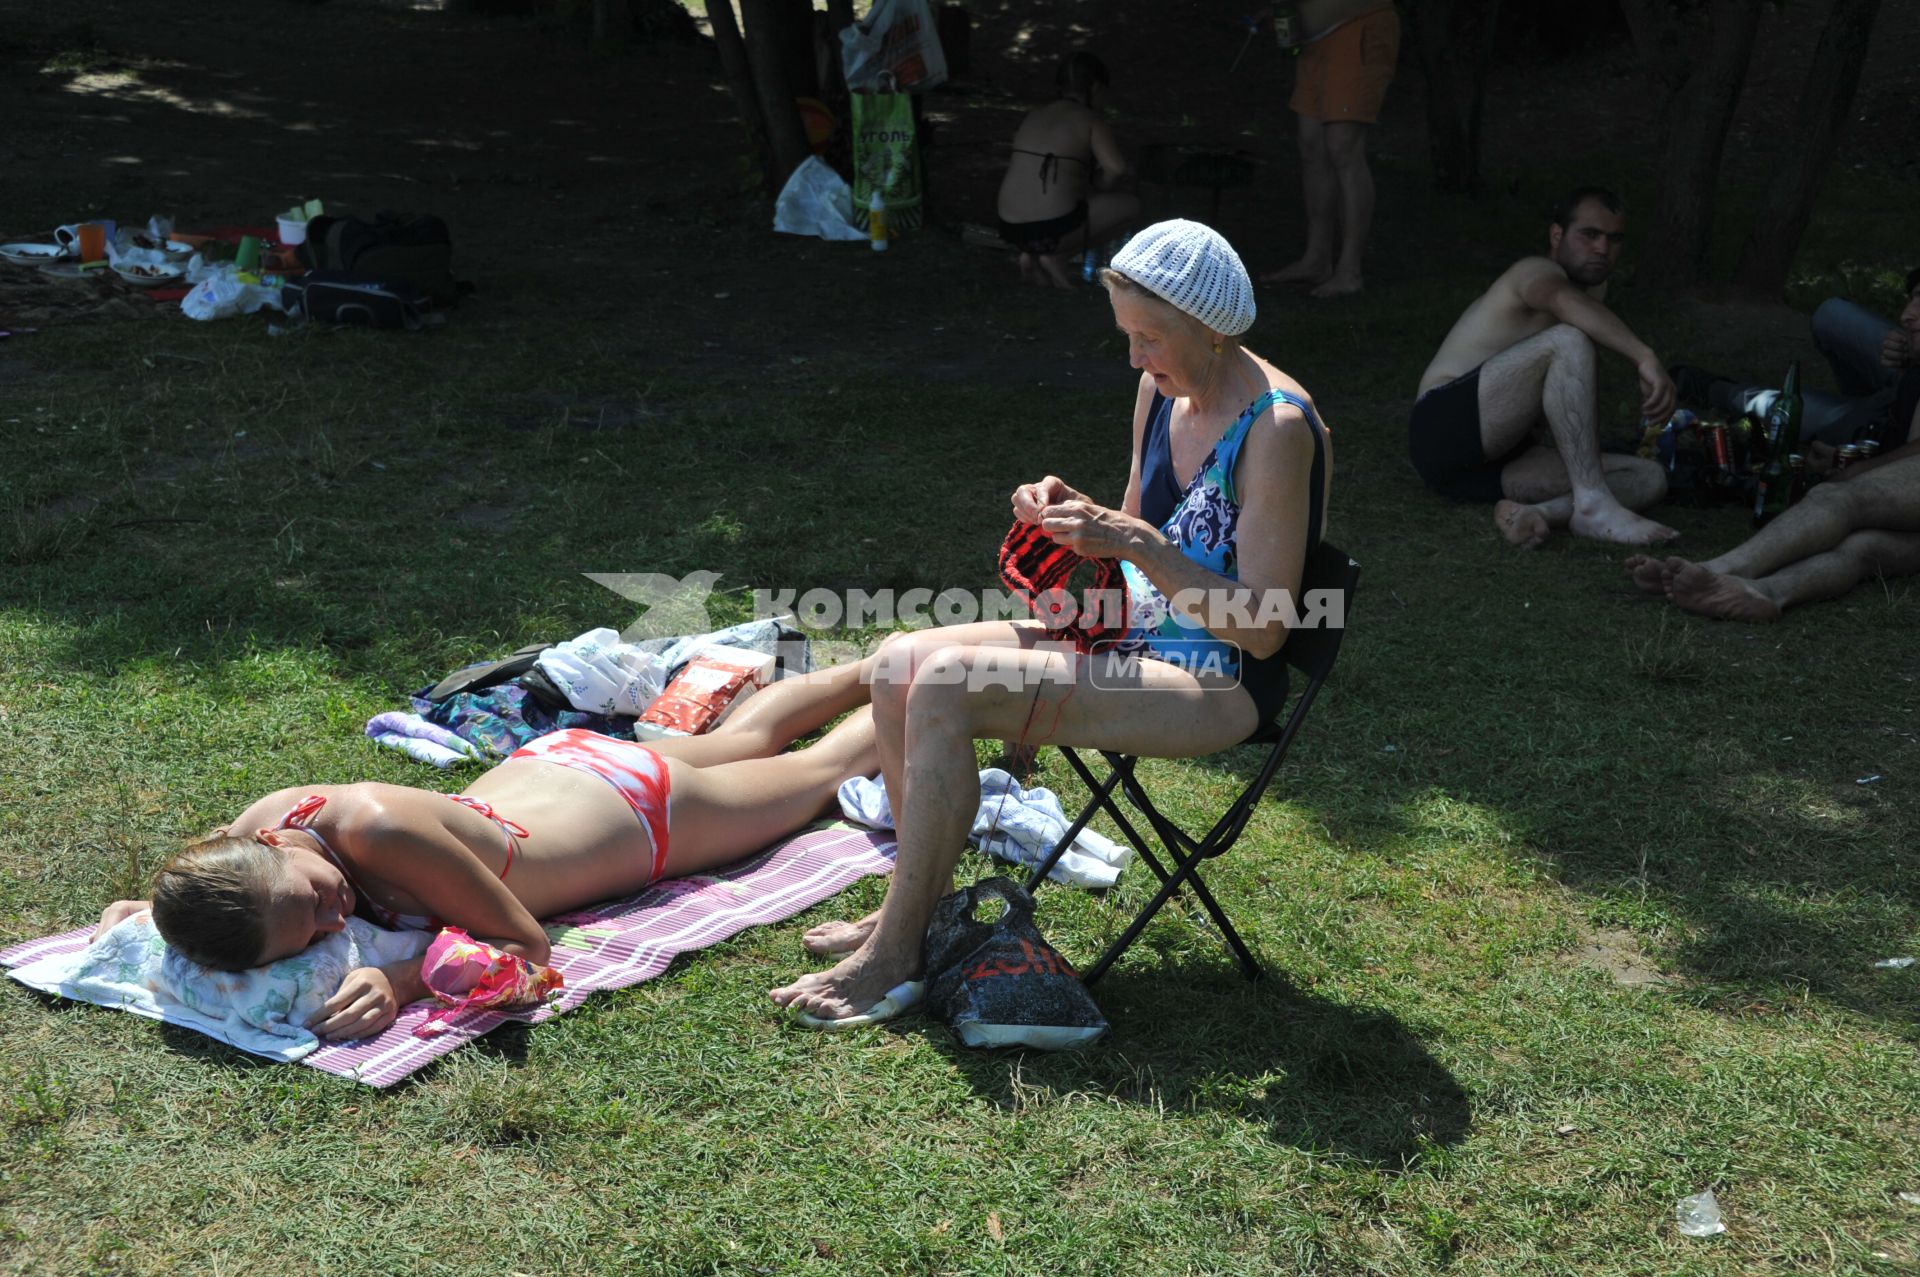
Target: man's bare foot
1308	273
861	979
1618	524
1717	594
1339	284
1521	525
840	935
1648	572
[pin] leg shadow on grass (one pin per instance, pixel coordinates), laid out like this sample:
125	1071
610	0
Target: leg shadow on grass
1343	1081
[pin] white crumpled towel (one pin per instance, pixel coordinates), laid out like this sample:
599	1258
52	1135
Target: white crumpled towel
1022	829
263	1010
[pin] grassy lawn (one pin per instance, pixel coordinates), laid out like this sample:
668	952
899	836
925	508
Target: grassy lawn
1571	900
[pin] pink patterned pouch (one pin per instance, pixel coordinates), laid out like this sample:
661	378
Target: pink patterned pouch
465	974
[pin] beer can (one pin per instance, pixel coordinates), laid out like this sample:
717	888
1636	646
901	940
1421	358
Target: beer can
1848	455
1718	449
1869	448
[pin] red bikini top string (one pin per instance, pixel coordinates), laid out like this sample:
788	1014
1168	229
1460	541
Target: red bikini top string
303	812
513	831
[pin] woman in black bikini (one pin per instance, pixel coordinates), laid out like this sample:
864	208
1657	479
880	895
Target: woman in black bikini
1058	194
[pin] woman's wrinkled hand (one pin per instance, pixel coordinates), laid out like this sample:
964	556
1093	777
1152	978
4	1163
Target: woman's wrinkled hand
1091	531
115	914
364	1005
1029	499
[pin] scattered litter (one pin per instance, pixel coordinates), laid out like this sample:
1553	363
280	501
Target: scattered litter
1868	780
1391	749
1894	964
1911	1199
1699	1215
1566	1129
720	297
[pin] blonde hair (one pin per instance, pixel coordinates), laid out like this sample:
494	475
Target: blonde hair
210	900
1115	281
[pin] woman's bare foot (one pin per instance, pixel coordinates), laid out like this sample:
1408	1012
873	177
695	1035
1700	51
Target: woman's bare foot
1309	273
1339	284
1648	572
1521	525
1618	524
861	979
1716	594
1029	270
1054	267
840	935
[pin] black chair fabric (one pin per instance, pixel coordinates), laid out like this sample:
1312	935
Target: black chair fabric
1312	652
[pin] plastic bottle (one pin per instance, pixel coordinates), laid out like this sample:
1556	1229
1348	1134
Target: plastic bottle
877	221
1087	265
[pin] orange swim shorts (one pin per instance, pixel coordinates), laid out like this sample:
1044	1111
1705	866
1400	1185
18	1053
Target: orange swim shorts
1343	76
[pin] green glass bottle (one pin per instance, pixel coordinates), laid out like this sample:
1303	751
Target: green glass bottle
1784	415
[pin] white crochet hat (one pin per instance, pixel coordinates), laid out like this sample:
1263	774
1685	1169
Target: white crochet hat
1193	269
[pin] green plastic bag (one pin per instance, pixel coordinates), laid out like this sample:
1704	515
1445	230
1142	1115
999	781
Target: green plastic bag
886	154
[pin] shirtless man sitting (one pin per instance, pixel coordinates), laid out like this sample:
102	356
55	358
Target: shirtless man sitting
1525	350
1863	521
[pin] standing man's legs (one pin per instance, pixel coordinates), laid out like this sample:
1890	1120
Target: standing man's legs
1346	149
1320	187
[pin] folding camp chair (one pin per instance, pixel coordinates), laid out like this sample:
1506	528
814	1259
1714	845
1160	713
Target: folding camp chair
1309	650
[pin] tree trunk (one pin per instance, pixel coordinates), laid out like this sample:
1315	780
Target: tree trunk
739	76
1696	133
612	24
1453	125
786	136
1833	74
839	15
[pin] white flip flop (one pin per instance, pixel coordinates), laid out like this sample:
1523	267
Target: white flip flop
900	999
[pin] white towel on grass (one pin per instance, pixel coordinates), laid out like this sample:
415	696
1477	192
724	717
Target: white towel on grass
263	1010
1013	824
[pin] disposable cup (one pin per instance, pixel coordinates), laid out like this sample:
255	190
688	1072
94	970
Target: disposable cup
292	232
247	256
92	238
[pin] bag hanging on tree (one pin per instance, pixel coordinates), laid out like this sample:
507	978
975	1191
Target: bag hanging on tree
999	983
886	156
898	39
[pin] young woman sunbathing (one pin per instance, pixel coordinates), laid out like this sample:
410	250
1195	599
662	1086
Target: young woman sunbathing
570	819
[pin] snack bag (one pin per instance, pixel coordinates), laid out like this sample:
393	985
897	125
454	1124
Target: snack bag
704	691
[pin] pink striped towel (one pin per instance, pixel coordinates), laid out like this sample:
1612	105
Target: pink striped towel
611	945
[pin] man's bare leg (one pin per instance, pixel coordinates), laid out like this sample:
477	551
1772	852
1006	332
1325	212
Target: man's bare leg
1552	375
1746	582
1347	154
1823	576
1635	483
1320	186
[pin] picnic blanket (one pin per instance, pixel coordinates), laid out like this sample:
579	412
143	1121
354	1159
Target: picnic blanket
608	946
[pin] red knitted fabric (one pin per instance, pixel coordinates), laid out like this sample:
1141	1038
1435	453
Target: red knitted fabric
1037	568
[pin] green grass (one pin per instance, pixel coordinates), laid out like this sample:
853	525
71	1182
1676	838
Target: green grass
221	552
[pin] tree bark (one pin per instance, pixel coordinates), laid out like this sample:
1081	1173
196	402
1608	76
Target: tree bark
612	24
739	76
786	136
1833	74
1696	134
1453	124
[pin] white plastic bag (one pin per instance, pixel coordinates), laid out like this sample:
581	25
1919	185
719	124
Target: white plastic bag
896	40
816	202
601	675
221	294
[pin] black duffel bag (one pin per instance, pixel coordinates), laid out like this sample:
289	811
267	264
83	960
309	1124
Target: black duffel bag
391	248
332	297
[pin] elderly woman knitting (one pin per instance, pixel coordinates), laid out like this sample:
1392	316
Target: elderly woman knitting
1225	500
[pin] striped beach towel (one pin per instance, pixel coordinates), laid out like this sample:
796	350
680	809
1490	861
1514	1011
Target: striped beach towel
611	945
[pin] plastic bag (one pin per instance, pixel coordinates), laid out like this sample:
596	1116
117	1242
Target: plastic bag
815	201
898	40
220	293
886	155
999	983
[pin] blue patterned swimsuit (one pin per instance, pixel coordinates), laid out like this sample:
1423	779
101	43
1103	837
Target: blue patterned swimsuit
1202	523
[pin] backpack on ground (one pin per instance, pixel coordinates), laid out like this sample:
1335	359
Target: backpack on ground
332	297
395	249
